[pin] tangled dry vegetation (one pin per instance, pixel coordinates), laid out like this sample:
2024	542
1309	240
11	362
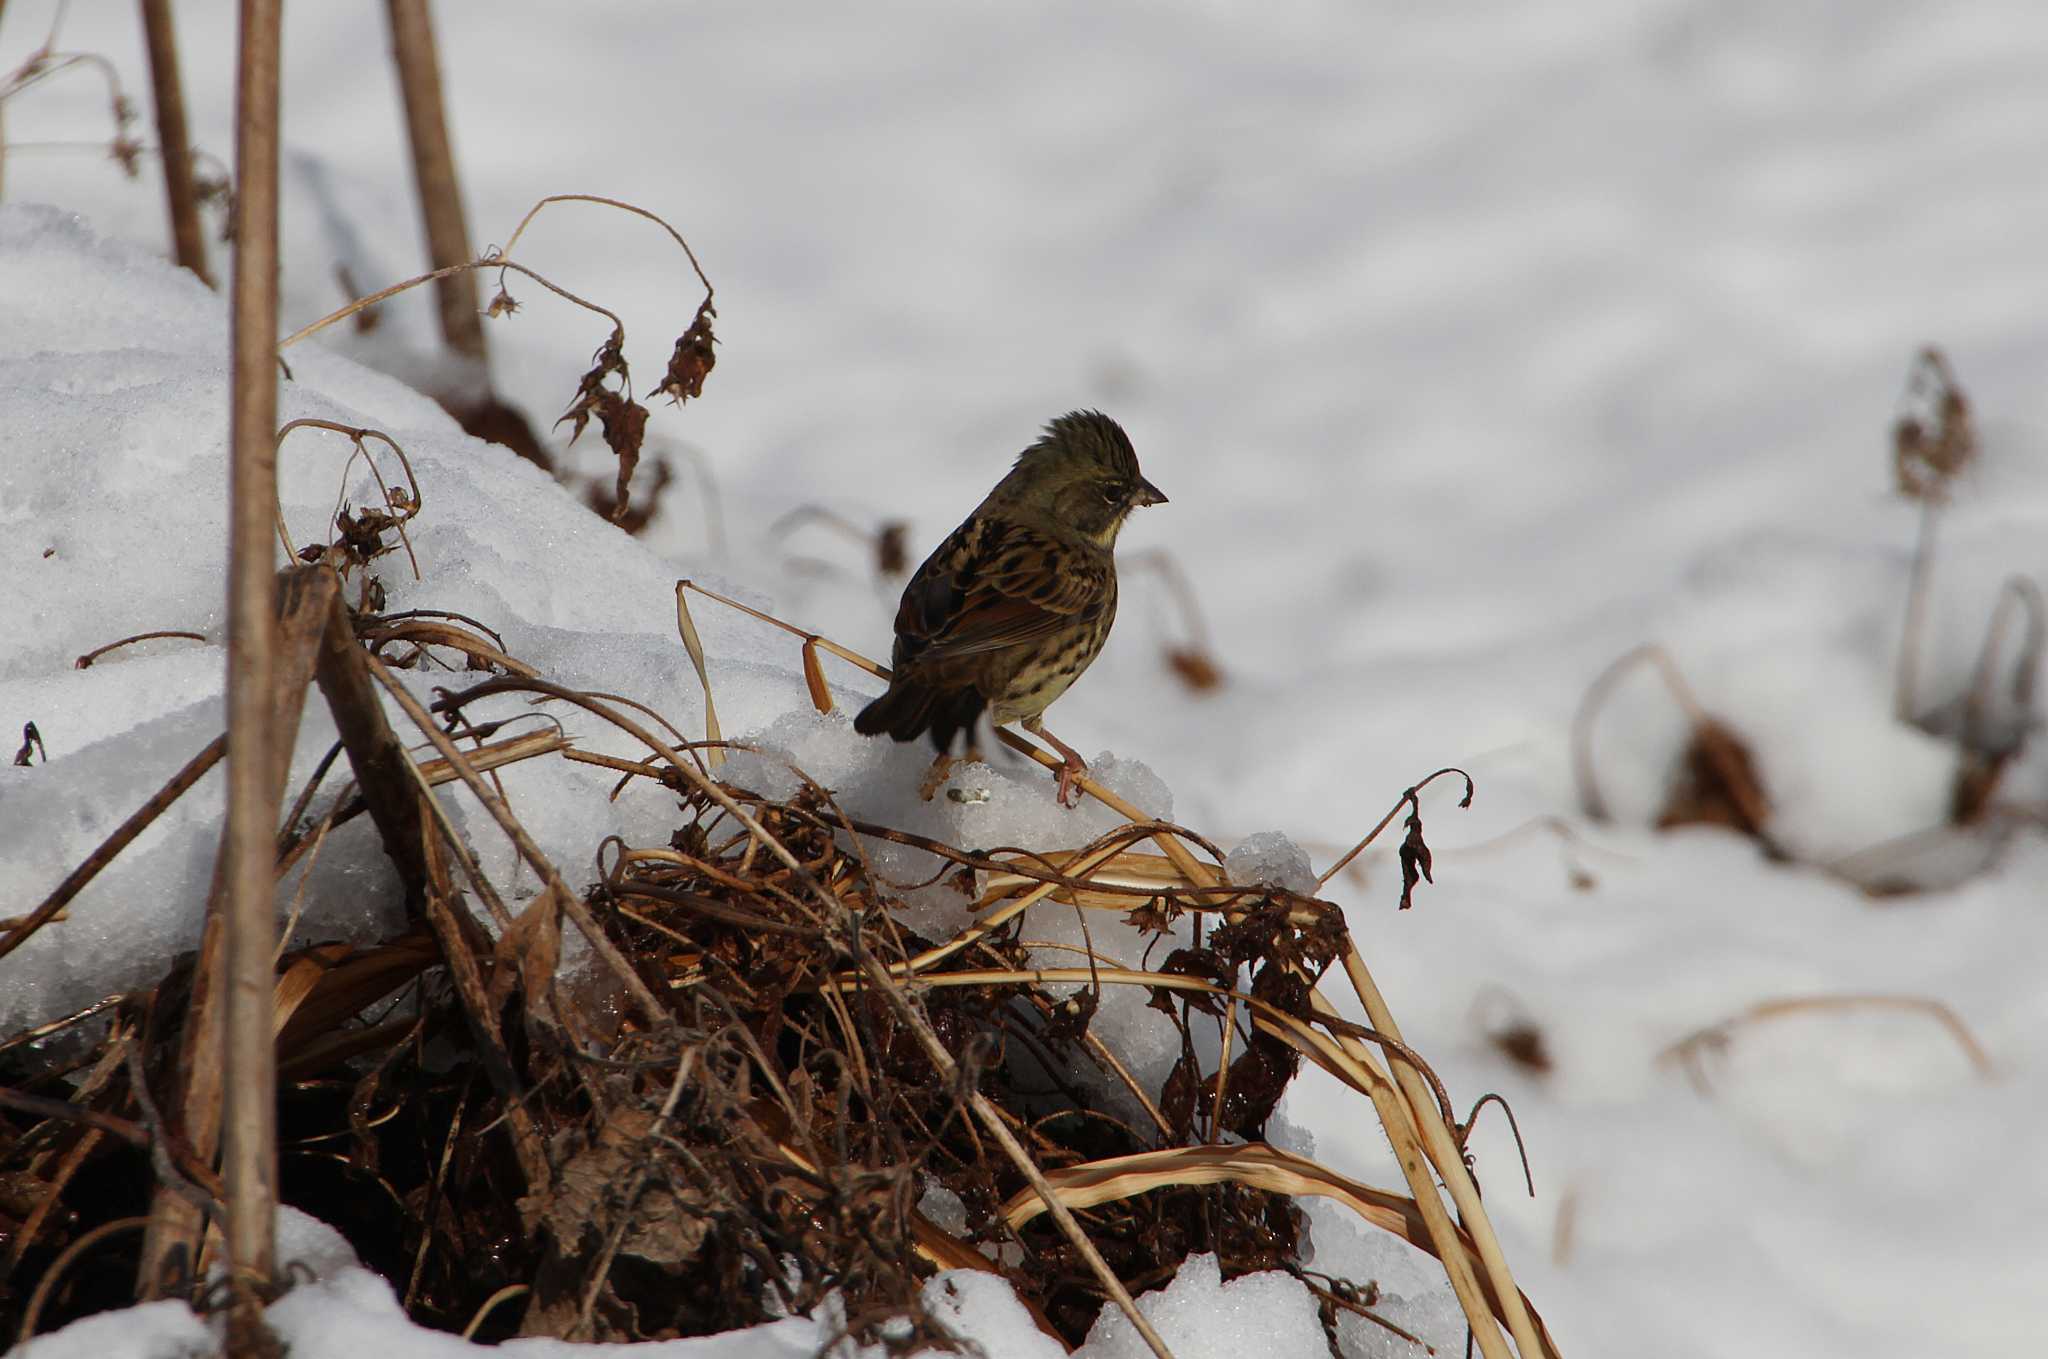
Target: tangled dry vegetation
756	1090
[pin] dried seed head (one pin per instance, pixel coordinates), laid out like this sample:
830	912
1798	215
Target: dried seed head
1934	438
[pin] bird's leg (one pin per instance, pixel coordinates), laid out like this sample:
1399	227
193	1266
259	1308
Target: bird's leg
936	776
1072	766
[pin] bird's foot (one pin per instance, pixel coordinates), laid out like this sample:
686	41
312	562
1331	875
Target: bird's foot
1071	770
1072	766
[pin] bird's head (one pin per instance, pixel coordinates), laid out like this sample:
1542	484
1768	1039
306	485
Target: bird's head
1082	474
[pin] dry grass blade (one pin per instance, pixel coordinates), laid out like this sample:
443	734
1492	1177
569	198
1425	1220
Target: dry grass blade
517	833
124	834
686	626
1440	1142
1098	1182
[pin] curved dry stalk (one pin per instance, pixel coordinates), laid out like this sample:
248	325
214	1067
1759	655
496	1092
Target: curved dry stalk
1321	1048
991	1119
995	920
1407	798
491	1304
2018	593
1514	1126
497	258
1688	1049
434	275
1261	1167
45	62
529	851
85	661
1596	697
66	1258
534	211
400	512
376	634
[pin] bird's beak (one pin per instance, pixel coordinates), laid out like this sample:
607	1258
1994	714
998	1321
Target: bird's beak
1148	494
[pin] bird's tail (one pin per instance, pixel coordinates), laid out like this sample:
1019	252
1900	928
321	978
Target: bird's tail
911	708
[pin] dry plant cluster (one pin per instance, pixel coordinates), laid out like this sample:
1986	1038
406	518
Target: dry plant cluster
737	1106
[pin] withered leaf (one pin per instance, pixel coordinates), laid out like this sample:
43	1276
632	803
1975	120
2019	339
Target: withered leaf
1415	857
892	550
693	358
609	360
625	425
1071	1017
1197	669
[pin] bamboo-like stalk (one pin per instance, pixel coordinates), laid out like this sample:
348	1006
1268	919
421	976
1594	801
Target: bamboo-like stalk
433	165
1448	1157
174	138
250	1161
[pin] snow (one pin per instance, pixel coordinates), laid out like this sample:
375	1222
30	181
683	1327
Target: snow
1201	1317
1474	346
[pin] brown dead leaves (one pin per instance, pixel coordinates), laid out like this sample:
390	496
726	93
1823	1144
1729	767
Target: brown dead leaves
623	419
693	358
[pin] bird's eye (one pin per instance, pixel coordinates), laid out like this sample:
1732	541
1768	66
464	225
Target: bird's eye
1112	494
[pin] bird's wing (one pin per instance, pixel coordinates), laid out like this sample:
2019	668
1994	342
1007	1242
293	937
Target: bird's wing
994	584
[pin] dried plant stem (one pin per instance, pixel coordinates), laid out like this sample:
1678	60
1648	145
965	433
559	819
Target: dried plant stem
85	662
991	1119
171	1246
622	206
174	138
2017	594
1919	584
1442	1147
69	1257
250	1160
1406	799
124	834
380	763
433	165
1001	916
433	275
528	850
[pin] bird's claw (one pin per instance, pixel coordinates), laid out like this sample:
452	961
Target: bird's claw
1071	770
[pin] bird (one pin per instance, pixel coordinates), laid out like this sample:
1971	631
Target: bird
1017	601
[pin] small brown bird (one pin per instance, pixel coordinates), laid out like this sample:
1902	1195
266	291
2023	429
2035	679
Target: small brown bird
1018	600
